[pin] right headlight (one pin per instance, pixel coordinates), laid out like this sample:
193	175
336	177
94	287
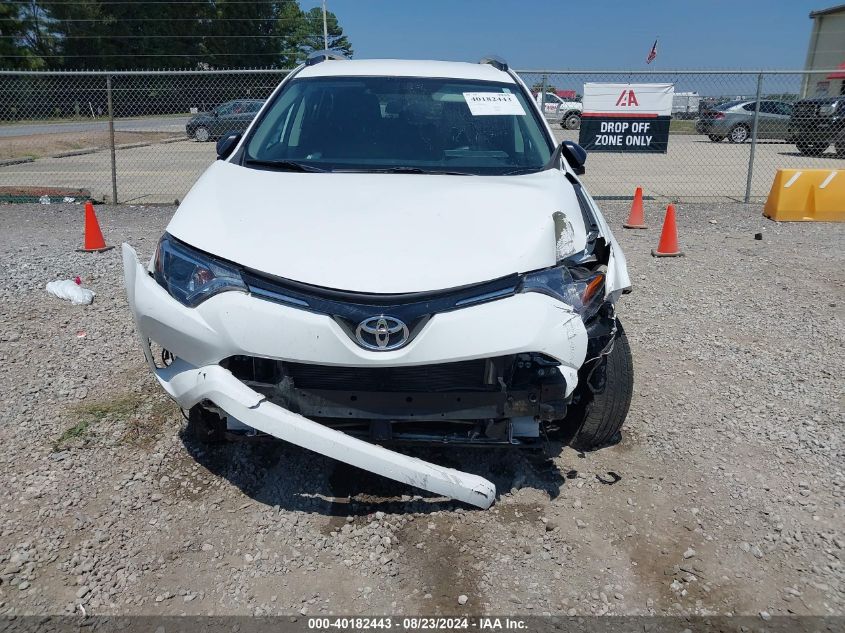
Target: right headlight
190	276
577	287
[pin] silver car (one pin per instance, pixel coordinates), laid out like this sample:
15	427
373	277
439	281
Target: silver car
734	120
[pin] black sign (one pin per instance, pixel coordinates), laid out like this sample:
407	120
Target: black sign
603	133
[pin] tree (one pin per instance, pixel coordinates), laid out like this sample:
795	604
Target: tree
103	34
243	35
21	35
311	34
95	34
290	31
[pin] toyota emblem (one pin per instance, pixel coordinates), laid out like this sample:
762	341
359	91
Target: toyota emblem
382	333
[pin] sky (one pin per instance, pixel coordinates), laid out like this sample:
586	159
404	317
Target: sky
591	35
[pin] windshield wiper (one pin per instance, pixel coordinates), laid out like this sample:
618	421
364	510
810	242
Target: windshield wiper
402	170
283	165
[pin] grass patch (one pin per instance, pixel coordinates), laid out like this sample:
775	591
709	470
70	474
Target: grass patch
120	408
76	432
142	416
143	429
682	126
46	144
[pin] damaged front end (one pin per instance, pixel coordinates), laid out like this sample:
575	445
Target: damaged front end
488	401
492	364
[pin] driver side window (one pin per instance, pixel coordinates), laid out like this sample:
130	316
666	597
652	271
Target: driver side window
224	108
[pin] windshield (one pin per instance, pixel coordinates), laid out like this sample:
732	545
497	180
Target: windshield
727	105
400	124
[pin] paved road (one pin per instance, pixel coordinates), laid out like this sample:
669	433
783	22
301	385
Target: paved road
693	169
159	124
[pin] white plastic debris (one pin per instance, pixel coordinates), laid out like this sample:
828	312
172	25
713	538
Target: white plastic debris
69	290
44	199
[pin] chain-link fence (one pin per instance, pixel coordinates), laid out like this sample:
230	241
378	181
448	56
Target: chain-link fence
729	131
134	137
142	137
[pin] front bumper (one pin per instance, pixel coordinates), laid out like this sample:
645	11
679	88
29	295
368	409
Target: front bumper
236	323
817	130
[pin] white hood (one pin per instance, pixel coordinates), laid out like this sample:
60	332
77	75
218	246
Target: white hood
379	233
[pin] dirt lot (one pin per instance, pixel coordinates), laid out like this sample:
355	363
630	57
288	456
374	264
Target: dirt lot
41	145
725	495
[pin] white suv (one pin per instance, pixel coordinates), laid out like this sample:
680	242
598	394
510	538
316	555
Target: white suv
393	252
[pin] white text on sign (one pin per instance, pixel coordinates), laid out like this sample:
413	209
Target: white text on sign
613	134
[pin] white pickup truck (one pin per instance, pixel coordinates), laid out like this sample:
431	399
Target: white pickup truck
564	111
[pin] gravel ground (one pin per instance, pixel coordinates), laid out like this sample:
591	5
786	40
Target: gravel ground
725	495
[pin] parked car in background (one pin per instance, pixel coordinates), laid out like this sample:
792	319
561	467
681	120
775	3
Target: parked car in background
734	120
232	116
816	123
567	112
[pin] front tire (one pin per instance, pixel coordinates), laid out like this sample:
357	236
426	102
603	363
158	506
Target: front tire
603	397
571	121
202	134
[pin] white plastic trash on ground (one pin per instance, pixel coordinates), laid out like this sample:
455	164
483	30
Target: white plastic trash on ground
71	291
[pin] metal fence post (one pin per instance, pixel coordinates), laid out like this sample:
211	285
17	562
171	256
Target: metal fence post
543	97
111	140
753	139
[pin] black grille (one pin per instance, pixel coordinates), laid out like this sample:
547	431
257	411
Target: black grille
465	375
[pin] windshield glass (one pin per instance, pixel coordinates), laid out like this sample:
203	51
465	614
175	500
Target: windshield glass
401	124
727	105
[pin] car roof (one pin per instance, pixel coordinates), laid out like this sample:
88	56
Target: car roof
405	68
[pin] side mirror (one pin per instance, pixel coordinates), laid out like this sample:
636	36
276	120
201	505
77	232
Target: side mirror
575	155
227	144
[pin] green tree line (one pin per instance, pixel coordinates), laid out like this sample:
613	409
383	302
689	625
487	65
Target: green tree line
200	34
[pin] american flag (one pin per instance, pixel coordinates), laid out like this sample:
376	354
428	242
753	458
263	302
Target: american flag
652	54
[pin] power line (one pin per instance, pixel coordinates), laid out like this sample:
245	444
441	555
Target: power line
132	55
176	2
118	36
197	19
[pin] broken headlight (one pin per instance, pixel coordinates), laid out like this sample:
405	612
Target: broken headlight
190	276
578	287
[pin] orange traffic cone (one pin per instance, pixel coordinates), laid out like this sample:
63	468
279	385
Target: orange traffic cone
668	246
94	242
636	220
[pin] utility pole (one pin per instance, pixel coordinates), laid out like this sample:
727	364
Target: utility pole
325	28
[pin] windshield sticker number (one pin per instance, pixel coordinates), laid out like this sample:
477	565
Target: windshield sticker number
493	103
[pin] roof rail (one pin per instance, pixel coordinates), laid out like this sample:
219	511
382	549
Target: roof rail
320	56
495	61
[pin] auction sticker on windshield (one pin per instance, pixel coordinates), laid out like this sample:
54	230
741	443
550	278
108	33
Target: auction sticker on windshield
492	103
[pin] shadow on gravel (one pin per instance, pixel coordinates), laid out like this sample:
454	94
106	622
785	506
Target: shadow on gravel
291	478
800	155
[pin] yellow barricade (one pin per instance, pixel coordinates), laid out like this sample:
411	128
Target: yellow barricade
807	195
